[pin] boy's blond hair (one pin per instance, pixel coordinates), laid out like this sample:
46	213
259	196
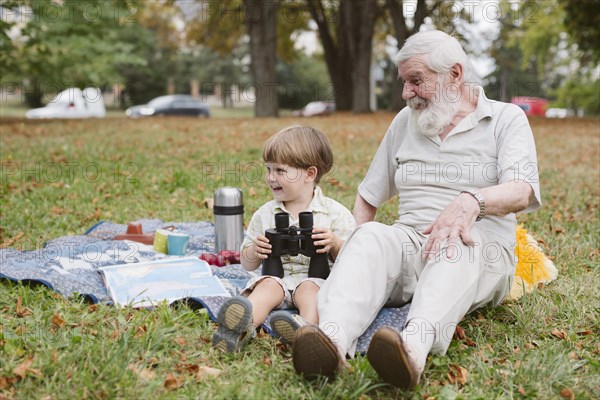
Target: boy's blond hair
300	147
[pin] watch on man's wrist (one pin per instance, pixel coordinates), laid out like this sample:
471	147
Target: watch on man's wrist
480	200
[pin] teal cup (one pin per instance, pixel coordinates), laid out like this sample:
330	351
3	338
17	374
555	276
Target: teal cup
177	243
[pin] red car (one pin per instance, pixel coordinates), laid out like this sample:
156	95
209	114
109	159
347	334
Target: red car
531	105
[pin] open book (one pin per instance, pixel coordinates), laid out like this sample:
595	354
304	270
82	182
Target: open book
147	284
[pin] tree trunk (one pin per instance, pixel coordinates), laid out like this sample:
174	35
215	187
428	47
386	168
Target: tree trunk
360	23
261	22
337	57
33	94
401	32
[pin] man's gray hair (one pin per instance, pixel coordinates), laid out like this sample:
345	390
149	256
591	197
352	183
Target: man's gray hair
440	52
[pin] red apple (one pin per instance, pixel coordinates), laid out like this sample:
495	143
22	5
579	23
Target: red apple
235	258
221	261
209	258
232	257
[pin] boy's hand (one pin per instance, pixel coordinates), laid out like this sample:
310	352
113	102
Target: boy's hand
262	248
324	237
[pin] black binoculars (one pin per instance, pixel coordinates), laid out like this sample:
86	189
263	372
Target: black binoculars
292	240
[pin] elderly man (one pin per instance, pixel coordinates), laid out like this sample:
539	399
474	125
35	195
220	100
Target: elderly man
462	166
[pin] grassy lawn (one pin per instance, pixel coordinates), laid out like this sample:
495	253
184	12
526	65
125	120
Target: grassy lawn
60	177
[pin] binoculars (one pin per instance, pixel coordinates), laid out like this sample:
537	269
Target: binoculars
292	240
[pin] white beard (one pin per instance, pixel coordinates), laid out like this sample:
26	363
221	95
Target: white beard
432	116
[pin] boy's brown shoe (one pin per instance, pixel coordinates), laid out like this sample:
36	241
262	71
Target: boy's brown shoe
393	360
314	354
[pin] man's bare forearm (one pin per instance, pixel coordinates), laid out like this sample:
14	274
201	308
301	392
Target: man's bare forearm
363	211
506	198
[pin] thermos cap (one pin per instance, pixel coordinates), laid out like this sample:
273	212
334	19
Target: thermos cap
228	197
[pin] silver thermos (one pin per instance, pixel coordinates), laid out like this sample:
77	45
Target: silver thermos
228	212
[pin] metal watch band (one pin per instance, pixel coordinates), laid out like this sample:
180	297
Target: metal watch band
480	200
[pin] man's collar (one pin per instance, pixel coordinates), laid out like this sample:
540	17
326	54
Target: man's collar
484	105
317	204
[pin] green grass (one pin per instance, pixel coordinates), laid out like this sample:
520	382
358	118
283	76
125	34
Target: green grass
60	177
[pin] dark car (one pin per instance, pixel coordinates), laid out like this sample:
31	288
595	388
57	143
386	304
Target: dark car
176	104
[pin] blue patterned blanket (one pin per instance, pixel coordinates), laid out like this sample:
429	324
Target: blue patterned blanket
69	265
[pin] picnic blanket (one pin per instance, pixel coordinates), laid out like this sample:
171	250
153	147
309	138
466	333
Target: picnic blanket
69	265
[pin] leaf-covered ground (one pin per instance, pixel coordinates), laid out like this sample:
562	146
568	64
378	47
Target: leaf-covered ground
60	177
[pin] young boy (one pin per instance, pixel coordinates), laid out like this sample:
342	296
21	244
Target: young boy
295	158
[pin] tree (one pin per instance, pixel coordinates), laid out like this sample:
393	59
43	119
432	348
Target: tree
562	68
407	17
346	34
156	40
72	44
223	26
513	75
306	80
261	22
582	22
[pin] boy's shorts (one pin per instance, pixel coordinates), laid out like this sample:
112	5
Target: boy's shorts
288	297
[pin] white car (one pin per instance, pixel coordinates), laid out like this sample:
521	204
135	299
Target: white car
315	108
72	103
557	113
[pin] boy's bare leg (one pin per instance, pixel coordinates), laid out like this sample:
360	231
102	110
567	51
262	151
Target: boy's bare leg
305	298
267	295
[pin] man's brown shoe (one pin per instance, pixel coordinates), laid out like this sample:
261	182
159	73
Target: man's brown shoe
392	359
314	354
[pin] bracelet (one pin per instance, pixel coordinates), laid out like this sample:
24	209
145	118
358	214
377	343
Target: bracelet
480	200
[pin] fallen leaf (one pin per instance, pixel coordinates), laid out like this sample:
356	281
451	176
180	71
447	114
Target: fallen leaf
196	202
116	334
567	393
209	202
180	341
92	308
522	391
171	382
251	192
7	381
333	182
143	373
585	333
57	320
261	334
459	333
204	340
188	368
204	371
267	361
22	369
559	334
12	241
20	310
457	374
58	210
140	331
531	345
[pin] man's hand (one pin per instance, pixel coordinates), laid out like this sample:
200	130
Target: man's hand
453	224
